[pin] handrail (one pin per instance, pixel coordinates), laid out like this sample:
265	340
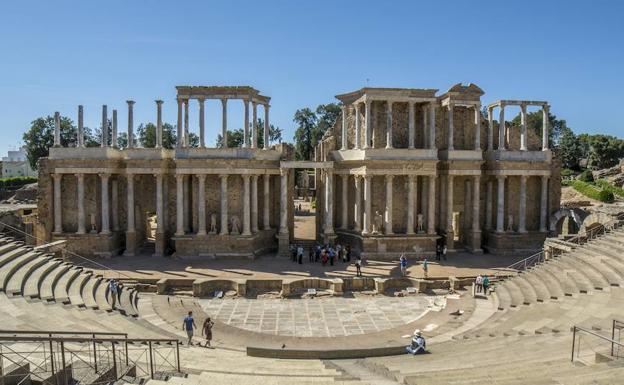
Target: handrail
119	273
86	339
539	256
575	328
62	333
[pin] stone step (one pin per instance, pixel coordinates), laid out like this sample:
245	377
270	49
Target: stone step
46	290
504	298
528	291
569	286
101	296
76	288
9	268
13	254
586	279
517	299
587	263
17	281
34	280
61	289
127	297
88	292
547	279
9	246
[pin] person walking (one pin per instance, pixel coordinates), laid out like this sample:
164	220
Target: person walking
478	284
348	253
112	290
358	266
310	255
188	325
317	253
207	330
403	264
332	256
300	254
425	267
444	252
486	284
438	252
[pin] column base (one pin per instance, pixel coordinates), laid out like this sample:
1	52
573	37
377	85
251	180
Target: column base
329	237
450	240
283	248
474	242
159	245
131	244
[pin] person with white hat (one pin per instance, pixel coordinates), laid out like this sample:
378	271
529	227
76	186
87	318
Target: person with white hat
418	344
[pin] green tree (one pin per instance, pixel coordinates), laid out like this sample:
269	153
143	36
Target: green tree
605	151
40	137
304	134
326	115
147	135
535	122
236	137
570	149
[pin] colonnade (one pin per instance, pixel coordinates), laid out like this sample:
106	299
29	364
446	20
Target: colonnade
251	129
523	123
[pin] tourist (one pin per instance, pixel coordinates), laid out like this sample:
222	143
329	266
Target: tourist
317	253
425	266
403	264
358	265
293	253
332	255
207	329
324	256
310	255
338	252
418	344
438	251
348	253
112	290
478	284
486	284
444	252
300	254
188	324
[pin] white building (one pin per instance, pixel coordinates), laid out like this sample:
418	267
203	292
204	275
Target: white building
16	164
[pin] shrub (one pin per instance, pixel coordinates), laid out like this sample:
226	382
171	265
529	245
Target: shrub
605	185
567	172
592	192
16	182
586	176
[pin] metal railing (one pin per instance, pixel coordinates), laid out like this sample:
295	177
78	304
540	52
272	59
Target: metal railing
530	261
594	349
616	326
118	273
63	358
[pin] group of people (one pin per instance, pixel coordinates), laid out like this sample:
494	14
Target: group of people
188	325
403	266
482	284
327	254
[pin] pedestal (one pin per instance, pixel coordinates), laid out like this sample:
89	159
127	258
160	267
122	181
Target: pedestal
450	241
131	244
283	245
474	242
159	245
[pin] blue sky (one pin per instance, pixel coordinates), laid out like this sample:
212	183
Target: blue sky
55	55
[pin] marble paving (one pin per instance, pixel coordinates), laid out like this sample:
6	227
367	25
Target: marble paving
320	317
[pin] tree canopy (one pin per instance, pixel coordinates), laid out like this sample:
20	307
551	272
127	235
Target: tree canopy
40	137
236	137
311	126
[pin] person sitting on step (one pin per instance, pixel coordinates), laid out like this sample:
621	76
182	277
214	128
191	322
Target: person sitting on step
418	344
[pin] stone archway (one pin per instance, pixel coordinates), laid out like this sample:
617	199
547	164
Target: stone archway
573	216
593	220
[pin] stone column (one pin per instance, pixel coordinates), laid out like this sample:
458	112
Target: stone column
246	207
159	127
344	218
368	124
449	203
388	217
500	204
266	217
358	133
115	203
476	196
159	249
58	217
283	226
254	204
266	127
410	203
131	228
432	131
130	123
389	135
81	208
544	204
80	127
105	209
488	205
201	204
449	113
522	208
545	123
501	128
344	128
424	199
523	127
104	126
329	203
202	123
367	204
411	129
490	138
254	125
431	203
224	122
179	205
130	203
114	130
477	116
246	124
57	129
180	141
187	142
357	208
224	203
